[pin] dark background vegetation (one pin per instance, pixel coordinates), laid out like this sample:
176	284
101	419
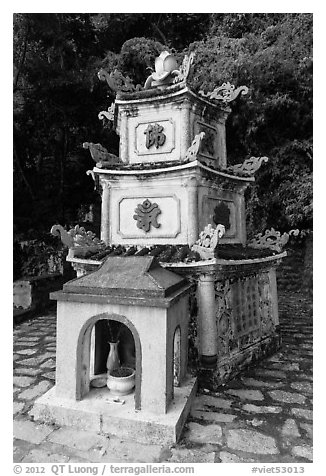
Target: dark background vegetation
57	98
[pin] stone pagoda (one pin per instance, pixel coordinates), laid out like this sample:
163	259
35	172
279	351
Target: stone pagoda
171	204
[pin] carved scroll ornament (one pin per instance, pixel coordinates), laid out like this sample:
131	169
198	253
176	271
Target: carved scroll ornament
117	82
208	241
78	239
225	93
109	114
272	239
193	150
100	155
248	167
146	215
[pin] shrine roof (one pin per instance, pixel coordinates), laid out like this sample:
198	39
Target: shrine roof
171	165
128	276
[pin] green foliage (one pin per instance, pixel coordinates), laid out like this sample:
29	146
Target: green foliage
42	255
272	55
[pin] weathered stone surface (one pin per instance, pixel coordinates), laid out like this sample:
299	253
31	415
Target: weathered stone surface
209	401
23	381
81	440
290	428
50	364
227	457
205	434
40	456
191	456
115	449
25	344
49	339
26	351
251	382
261	409
256	422
304	387
308	428
50	375
27	371
251	441
302	413
30	431
212	416
287	397
303	452
21	448
246	394
270	373
291	367
28	339
36	360
36	391
18	406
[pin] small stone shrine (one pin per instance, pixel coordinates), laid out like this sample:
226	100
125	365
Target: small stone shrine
169	198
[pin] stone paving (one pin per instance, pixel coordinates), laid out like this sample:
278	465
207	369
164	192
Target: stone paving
263	416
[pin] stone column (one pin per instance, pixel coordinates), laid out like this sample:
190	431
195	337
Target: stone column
105	212
124	139
207	327
185	138
192	187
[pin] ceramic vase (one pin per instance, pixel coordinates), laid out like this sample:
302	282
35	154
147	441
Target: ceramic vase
113	361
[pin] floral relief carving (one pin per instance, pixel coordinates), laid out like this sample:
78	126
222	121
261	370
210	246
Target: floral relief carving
223	298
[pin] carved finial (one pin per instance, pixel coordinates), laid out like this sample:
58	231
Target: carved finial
100	155
193	150
167	72
225	93
208	241
249	166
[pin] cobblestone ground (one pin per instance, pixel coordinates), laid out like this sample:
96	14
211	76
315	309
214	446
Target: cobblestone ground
265	415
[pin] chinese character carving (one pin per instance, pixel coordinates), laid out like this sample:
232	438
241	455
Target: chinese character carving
146	215
154	136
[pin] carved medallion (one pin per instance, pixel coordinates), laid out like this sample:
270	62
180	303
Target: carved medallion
222	215
154	136
146	215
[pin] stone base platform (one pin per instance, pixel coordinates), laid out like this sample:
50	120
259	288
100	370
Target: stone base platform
95	413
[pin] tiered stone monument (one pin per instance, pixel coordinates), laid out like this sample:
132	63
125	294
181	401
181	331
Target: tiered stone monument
171	188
